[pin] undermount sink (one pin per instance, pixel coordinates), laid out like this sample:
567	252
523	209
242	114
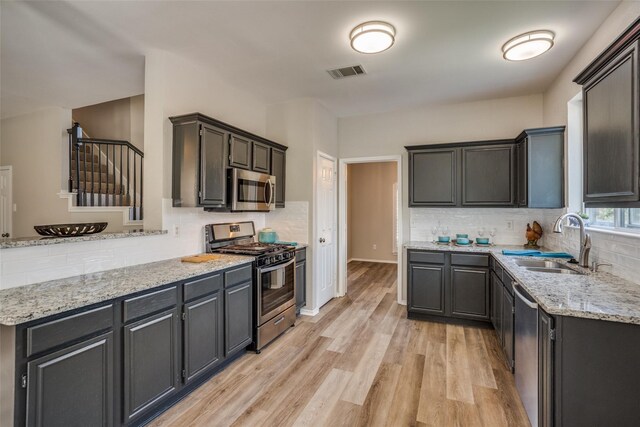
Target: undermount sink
542	266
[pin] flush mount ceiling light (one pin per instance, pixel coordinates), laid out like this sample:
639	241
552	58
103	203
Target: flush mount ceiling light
528	45
372	37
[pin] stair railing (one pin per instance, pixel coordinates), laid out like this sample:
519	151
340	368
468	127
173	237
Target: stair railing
119	180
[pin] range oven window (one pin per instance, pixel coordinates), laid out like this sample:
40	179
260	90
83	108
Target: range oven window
252	191
277	287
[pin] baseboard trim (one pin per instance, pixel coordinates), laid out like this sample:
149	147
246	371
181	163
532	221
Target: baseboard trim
372	260
308	312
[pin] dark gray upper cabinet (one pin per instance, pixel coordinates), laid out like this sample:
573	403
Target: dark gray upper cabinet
488	175
279	170
73	386
611	149
261	158
240	152
203	335
301	279
213	170
238	313
540	165
470	292
203	150
151	362
433	177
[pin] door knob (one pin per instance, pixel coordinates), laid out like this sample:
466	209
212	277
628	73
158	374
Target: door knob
5	234
322	240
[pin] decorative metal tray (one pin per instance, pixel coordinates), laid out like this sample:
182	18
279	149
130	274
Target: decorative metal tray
70	230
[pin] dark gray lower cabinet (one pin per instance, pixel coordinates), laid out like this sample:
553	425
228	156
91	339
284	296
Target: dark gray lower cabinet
151	361
470	292
301	279
203	335
238	317
545	369
73	386
508	320
496	305
426	289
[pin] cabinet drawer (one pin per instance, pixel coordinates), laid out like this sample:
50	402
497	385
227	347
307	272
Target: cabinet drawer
239	275
149	303
203	286
426	257
51	334
499	270
470	259
301	255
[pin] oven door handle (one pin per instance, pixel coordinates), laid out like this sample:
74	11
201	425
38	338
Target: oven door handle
277	267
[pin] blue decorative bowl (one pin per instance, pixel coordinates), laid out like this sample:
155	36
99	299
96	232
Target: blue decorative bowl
444	239
267	235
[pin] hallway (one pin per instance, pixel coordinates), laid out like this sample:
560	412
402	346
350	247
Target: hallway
360	361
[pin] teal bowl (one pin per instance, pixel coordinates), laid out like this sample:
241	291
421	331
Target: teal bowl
444	239
462	236
267	236
482	240
462	241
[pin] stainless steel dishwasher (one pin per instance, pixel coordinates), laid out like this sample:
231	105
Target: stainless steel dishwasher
526	352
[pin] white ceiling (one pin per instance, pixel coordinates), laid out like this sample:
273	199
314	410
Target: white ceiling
80	53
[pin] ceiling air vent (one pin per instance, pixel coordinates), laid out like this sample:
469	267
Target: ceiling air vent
340	73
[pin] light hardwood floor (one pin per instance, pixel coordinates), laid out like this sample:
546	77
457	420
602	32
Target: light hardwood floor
361	362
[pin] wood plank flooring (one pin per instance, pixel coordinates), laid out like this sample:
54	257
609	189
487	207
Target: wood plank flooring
361	362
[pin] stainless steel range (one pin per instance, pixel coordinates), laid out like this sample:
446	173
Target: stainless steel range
274	277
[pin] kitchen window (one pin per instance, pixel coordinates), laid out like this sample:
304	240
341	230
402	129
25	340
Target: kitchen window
619	219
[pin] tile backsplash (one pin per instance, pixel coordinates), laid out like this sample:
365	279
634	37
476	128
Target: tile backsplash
469	221
291	222
23	266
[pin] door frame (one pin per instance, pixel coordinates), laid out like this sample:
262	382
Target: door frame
342	218
10	207
316	253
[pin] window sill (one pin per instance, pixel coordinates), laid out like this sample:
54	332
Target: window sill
611	231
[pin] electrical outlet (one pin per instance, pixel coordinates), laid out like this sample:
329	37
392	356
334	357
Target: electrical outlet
510	224
176	230
375	246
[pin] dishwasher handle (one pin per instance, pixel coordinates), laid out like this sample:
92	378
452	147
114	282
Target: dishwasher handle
523	298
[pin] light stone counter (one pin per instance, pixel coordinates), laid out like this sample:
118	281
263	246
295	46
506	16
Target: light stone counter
31	302
23	242
590	295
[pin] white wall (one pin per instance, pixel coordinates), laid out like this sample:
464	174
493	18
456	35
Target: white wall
622	251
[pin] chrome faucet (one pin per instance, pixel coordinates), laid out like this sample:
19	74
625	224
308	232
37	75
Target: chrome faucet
585	239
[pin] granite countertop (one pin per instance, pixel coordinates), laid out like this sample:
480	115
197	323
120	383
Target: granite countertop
23	242
31	302
590	295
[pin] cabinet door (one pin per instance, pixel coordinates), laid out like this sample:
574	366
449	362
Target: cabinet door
73	386
507	326
426	289
488	175
151	362
496	305
213	171
301	285
278	169
240	152
611	137
470	292
261	158
238	309
523	182
545	370
203	334
433	177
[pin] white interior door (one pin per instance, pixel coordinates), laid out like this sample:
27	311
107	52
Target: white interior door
326	217
6	201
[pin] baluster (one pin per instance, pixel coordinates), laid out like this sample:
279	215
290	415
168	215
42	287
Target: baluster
141	183
134	187
80	192
120	192
99	174
93	158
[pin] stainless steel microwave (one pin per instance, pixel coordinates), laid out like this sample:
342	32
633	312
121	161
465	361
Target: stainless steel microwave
251	191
